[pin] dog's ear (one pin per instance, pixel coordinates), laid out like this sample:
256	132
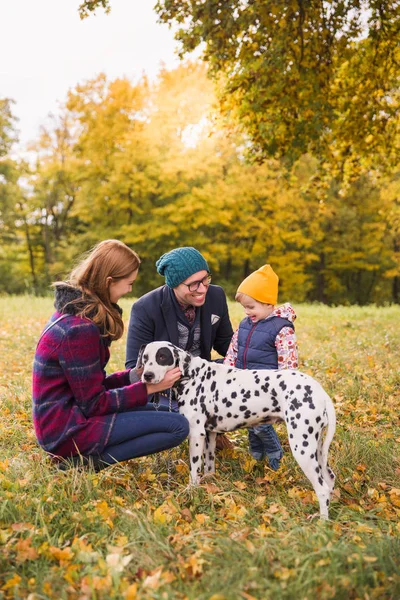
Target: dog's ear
139	362
182	360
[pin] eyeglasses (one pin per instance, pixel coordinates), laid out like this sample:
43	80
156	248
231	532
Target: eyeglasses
194	285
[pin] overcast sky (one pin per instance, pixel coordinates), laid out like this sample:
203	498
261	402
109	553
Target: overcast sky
45	49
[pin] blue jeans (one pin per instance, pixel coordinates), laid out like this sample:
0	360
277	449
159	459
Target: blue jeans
264	441
144	431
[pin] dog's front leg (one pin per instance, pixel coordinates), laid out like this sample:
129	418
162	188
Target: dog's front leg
209	453
196	449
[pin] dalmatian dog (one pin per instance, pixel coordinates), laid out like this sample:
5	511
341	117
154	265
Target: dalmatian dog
216	398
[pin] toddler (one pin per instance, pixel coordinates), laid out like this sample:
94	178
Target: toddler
265	339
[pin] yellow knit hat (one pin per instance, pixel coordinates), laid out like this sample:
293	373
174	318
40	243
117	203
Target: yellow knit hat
262	285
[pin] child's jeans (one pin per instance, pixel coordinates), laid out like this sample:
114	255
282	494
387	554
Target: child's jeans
263	441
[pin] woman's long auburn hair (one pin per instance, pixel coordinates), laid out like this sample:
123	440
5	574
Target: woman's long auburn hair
108	259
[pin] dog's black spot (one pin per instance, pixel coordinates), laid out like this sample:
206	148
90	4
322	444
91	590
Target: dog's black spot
283	385
305	444
298	415
310	429
317	435
295	404
228	403
229	415
305	436
228	381
318	419
233	395
243	407
164	357
195	459
256	393
213	386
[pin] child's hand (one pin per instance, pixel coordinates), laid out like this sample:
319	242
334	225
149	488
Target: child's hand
170	378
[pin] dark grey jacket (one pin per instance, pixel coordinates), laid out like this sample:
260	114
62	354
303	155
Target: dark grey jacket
153	318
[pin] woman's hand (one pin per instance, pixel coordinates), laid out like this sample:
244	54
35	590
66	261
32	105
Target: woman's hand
170	378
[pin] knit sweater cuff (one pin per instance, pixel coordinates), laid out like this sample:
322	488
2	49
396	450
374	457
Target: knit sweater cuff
139	393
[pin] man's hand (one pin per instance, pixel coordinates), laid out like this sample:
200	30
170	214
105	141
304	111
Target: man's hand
170	378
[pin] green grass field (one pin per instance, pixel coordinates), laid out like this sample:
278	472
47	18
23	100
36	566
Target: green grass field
126	533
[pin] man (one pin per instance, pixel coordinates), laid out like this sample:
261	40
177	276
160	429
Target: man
187	311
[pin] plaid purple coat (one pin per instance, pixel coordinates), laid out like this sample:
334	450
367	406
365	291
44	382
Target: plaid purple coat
74	402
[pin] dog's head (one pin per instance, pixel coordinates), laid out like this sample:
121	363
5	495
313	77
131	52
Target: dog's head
157	358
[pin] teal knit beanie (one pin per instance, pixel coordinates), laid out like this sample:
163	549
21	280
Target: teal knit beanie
179	264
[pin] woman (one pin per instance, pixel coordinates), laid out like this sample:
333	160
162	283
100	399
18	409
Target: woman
78	411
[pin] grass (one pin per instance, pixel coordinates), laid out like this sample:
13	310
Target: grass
126	533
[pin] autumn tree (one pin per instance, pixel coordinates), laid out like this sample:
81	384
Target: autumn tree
156	166
13	232
298	75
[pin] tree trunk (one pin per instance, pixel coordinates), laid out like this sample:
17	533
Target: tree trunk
31	256
321	295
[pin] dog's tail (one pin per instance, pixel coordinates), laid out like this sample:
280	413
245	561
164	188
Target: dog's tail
330	432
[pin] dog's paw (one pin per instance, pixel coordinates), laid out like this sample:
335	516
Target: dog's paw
317	516
207	476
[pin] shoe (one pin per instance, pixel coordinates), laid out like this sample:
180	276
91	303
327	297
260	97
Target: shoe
84	463
223	442
274	463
